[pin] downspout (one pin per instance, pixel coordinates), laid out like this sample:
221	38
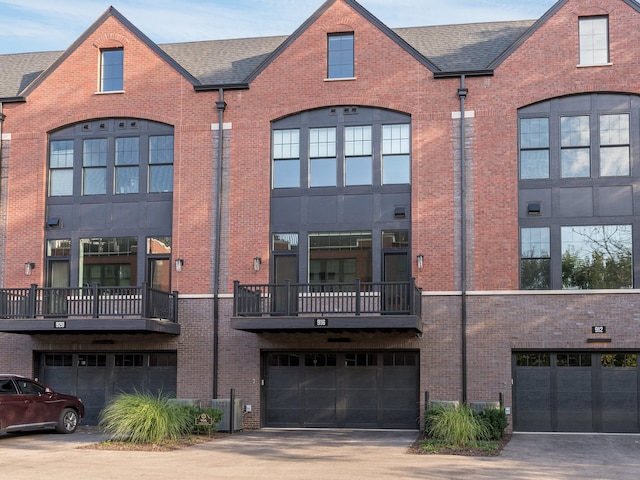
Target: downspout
462	94
220	105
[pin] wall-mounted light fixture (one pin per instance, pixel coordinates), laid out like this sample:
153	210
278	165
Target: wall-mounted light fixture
257	261
28	268
420	258
179	264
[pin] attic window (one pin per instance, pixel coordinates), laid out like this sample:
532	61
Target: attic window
112	70
594	40
340	55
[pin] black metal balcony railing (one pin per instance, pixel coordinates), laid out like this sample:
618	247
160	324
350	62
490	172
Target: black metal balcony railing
356	298
88	302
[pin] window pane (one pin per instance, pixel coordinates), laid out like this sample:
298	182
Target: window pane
575	162
341	57
286	173
357	141
614	145
127	153
395	139
574	131
597	257
286	144
534	164
285	242
338	257
108	261
94	181
358	171
322	172
322	142
61	182
160	178
396	169
94	161
534	133
112	70
161	163
614	161
286	154
161	149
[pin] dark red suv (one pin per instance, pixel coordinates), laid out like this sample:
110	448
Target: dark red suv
27	405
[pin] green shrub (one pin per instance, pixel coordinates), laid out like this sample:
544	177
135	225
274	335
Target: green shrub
496	419
145	418
194	412
459	425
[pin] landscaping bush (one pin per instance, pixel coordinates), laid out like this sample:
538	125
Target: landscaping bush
194	412
496	419
459	425
146	418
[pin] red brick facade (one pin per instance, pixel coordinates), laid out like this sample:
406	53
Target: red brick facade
500	319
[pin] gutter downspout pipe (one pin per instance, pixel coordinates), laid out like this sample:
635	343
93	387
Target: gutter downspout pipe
462	94
221	106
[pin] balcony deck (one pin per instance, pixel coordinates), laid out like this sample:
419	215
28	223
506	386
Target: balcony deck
94	309
356	306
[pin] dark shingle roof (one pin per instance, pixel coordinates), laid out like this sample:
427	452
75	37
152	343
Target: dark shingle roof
464	48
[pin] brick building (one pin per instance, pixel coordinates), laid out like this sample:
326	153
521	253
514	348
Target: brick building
335	225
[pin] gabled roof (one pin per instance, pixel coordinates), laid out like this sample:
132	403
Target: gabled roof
234	63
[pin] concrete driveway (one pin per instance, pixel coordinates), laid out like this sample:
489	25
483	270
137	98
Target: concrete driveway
319	455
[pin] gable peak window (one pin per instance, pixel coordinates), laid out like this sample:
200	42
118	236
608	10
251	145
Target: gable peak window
594	40
340	56
112	70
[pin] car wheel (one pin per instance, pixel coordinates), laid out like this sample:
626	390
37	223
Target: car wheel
68	421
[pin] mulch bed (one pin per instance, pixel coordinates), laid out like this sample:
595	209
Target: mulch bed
155	447
416	449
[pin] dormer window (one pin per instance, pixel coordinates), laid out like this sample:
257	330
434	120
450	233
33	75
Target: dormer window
112	70
594	40
340	56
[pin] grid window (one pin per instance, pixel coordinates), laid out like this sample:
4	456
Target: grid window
161	163
322	157
396	159
286	158
358	159
535	259
127	165
61	168
594	40
340	56
614	145
534	148
575	154
112	70
94	165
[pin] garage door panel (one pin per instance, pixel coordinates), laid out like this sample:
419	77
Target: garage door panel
577	392
349	390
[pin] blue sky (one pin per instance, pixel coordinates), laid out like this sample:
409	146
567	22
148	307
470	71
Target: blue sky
40	25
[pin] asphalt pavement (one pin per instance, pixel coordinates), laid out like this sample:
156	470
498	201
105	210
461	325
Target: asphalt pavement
270	454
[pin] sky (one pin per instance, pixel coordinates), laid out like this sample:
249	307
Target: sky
43	25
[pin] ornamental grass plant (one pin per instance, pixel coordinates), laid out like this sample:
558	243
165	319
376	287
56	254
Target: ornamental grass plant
459	426
145	418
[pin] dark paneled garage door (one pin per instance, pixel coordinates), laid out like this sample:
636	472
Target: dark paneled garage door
576	392
346	390
98	377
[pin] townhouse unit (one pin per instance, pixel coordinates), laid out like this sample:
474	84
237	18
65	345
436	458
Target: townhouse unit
335	226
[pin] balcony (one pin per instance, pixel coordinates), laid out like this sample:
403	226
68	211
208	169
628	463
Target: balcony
95	309
337	307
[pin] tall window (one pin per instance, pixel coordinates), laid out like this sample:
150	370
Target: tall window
161	163
396	159
535	258
534	148
575	154
112	70
358	166
286	158
127	165
614	145
94	166
340	56
61	168
594	40
322	157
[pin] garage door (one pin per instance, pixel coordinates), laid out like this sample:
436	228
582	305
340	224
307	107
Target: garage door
98	377
345	390
576	392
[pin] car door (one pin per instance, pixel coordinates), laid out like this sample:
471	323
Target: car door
13	407
41	406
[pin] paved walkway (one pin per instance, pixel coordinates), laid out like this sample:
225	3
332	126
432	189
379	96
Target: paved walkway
319	455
